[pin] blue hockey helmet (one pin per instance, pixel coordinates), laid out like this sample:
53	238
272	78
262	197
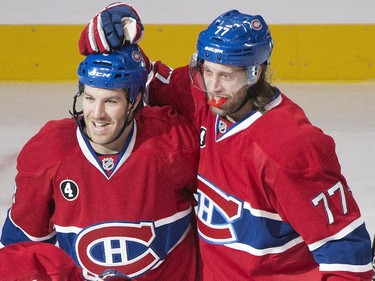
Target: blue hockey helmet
123	68
236	39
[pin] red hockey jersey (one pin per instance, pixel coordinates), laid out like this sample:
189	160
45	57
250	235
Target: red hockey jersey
137	219
272	202
36	261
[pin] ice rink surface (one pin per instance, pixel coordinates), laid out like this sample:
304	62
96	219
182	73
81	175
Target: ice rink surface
344	111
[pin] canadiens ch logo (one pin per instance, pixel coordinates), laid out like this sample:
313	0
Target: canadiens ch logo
203	137
216	213
69	190
118	245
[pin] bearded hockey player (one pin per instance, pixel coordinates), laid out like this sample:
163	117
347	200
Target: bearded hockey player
272	201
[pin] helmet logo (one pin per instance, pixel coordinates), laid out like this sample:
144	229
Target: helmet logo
136	56
213	50
256	24
96	73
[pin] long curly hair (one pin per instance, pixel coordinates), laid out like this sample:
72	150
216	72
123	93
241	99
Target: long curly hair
262	92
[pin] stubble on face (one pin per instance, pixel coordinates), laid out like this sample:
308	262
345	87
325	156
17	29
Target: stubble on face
229	84
104	116
232	107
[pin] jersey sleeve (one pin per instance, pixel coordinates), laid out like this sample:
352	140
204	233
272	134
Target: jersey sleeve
37	261
311	194
172	87
32	207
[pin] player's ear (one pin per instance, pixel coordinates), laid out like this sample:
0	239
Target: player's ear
136	104
260	69
138	100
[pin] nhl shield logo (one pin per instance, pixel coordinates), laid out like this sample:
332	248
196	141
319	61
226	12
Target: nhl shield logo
222	127
108	163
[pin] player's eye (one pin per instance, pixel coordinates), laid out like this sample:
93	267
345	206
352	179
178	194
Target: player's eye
88	98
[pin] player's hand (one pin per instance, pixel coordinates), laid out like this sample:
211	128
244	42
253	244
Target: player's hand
116	25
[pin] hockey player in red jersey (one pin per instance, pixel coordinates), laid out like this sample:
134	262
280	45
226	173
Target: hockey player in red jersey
114	185
272	201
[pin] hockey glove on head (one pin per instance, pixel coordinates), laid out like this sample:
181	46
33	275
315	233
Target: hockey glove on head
116	25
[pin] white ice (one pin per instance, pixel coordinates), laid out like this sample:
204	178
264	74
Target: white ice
344	111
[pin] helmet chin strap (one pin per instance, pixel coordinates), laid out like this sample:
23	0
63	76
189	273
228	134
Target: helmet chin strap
126	124
128	120
244	102
249	90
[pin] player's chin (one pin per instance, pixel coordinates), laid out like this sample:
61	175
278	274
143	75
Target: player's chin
218	110
99	140
101	136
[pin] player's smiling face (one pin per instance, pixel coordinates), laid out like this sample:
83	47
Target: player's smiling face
104	113
226	89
